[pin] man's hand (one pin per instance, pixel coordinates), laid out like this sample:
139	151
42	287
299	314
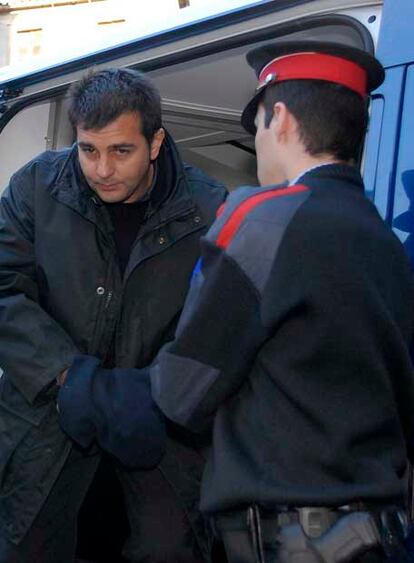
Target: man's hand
60	380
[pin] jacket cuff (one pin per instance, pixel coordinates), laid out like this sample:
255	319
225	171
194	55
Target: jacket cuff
130	427
75	401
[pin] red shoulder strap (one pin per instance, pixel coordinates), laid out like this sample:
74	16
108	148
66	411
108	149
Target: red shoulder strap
233	223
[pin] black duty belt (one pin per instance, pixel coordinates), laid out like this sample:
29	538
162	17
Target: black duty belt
314	520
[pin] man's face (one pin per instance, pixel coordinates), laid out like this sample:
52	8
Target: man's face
269	171
116	160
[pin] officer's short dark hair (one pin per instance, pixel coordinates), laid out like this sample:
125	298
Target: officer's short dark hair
102	96
331	119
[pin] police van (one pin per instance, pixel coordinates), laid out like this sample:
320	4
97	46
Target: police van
200	69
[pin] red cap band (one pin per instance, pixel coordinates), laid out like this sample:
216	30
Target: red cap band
315	66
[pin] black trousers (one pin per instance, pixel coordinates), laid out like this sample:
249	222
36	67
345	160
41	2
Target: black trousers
159	530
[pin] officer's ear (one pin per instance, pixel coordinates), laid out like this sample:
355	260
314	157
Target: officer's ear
156	142
283	122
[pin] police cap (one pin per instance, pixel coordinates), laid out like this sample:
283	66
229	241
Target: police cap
310	60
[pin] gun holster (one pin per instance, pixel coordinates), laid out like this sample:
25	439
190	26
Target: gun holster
352	535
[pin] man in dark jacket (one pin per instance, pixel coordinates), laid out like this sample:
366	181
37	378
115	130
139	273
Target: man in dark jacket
97	246
294	340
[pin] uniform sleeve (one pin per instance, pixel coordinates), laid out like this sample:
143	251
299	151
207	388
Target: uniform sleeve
34	349
216	341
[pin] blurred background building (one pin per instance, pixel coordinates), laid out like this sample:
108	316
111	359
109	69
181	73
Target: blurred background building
33	29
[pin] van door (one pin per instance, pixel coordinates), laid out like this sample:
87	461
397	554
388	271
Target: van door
402	209
389	163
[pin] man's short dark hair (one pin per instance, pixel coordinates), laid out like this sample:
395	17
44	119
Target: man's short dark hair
331	118
102	96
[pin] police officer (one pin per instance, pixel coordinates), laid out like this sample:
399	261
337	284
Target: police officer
294	341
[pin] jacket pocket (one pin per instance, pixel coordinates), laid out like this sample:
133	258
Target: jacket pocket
32	454
17	418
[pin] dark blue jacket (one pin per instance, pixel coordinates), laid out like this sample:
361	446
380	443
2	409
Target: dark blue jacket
62	296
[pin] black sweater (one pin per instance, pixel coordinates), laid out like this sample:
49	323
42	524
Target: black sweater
294	343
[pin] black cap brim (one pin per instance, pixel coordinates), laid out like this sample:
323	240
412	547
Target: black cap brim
261	56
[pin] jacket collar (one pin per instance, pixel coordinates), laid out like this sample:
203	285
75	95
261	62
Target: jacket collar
346	173
72	189
300	176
